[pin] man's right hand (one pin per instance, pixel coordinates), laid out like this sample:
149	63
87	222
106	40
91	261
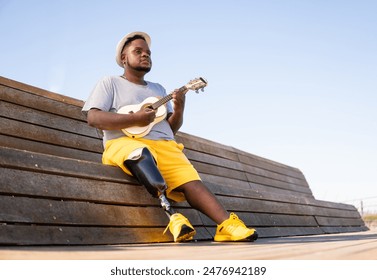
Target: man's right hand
144	116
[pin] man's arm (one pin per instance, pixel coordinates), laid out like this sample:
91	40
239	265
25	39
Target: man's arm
176	118
114	121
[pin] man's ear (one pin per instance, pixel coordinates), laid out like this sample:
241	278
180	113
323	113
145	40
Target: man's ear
123	57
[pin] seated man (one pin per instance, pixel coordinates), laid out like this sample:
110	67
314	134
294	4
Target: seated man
156	160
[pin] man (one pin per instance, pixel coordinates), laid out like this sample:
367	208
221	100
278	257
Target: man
155	160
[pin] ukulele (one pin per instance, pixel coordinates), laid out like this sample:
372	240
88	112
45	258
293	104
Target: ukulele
156	103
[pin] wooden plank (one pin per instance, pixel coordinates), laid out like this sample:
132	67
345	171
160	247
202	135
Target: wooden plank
223	167
263	163
273	175
338	205
44	185
13	158
206	157
219	172
45	148
63	187
277	220
264	232
11	84
277	184
69	235
206	146
258	188
270	220
337	229
255	205
249	192
333	221
213	160
41	118
37	184
265	194
50	136
201	146
26	210
288	231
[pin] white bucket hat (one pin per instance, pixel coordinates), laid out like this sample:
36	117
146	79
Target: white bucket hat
121	43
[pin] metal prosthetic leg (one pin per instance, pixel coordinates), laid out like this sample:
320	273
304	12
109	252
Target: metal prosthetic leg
143	167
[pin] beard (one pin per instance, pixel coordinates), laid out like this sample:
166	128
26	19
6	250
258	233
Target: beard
144	69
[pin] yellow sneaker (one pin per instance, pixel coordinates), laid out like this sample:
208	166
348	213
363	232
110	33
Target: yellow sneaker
180	228
233	229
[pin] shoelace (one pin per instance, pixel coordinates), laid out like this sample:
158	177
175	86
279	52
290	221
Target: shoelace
237	223
175	219
236	219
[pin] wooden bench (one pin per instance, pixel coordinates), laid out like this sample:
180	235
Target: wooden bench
54	189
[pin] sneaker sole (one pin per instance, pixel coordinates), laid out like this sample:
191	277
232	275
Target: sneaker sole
186	234
229	238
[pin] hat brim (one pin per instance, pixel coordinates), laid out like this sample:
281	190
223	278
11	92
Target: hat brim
121	43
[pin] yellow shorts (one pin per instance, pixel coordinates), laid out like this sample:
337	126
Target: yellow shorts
174	166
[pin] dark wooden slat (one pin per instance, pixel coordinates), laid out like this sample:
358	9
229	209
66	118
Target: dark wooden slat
68	235
12	158
331	221
32	116
50	136
281	231
50	149
276	176
263	163
47	211
255	205
274	196
256	220
62	187
277	220
234	183
52	103
213	160
209	147
255	174
218	171
277	184
343	229
205	146
337	205
288	231
248	191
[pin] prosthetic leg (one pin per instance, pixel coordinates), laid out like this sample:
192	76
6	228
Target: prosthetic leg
143	167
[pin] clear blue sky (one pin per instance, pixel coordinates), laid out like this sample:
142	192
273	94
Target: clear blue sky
291	81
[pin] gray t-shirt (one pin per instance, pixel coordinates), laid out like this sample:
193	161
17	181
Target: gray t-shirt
113	92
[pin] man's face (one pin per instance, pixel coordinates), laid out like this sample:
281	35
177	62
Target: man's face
137	56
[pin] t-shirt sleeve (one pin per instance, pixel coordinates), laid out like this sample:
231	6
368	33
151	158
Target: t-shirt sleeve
101	96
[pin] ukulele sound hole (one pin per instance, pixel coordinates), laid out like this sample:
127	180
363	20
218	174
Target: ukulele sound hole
147	106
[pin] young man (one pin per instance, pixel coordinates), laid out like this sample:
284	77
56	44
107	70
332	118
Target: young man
155	160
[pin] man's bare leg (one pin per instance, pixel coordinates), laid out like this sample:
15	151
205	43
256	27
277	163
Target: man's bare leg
202	199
